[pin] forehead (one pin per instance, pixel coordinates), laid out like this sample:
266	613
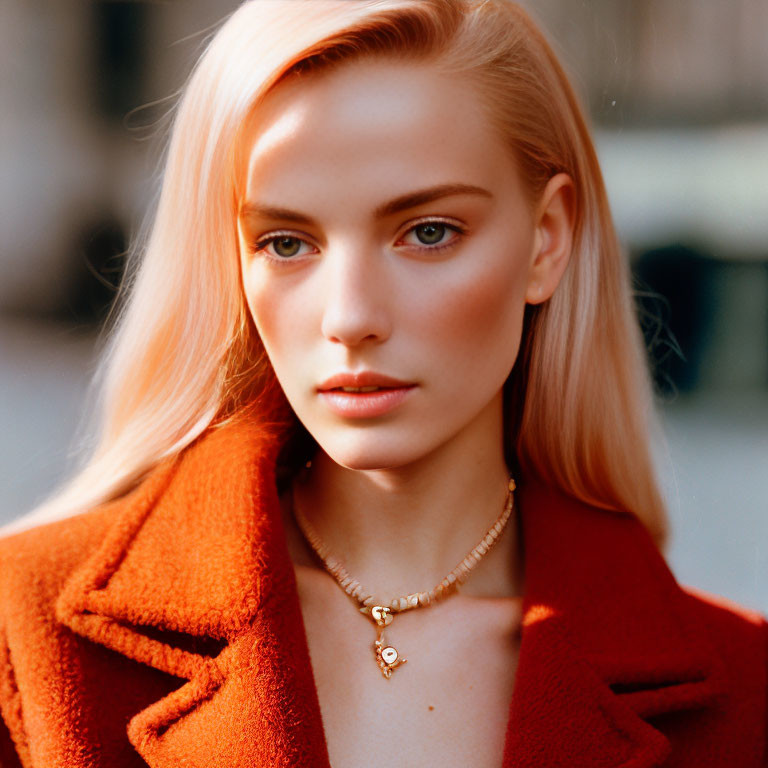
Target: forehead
377	126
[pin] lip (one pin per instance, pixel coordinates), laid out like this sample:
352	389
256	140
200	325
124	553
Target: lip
362	379
365	405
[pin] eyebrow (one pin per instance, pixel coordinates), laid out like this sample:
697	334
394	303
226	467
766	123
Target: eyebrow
402	203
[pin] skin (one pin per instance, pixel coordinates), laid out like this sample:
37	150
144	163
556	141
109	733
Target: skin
399	498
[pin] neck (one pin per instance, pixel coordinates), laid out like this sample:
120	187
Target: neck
401	530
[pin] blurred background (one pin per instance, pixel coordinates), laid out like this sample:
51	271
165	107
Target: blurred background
678	98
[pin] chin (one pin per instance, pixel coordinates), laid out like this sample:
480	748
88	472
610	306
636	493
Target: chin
371	453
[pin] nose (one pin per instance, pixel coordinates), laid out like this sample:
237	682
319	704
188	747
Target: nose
355	293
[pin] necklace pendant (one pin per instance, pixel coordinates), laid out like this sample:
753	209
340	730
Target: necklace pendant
387	656
381	615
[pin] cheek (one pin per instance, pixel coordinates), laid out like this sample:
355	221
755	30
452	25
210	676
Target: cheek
478	318
275	319
255	296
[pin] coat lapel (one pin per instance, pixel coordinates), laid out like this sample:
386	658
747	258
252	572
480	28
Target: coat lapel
194	579
608	641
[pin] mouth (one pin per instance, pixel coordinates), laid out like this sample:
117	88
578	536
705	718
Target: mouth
365	402
359	390
362	382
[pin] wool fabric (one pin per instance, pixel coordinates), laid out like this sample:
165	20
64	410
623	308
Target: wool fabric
164	628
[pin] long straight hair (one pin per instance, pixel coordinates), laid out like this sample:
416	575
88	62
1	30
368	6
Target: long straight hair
182	354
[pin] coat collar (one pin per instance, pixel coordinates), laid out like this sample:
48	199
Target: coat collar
194	578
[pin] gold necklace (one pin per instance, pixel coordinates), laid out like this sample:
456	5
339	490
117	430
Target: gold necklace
382	615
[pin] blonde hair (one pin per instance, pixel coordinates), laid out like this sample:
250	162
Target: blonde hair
183	355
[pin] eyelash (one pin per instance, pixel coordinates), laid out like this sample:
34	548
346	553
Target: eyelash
261	245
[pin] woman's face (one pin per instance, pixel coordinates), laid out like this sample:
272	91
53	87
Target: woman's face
384	229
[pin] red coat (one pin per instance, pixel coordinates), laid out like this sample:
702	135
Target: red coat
164	629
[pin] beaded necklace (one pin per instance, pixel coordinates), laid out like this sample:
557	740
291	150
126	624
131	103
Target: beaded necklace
382	614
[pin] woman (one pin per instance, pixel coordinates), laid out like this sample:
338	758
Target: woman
382	335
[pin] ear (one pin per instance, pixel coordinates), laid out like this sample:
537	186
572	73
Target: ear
553	238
